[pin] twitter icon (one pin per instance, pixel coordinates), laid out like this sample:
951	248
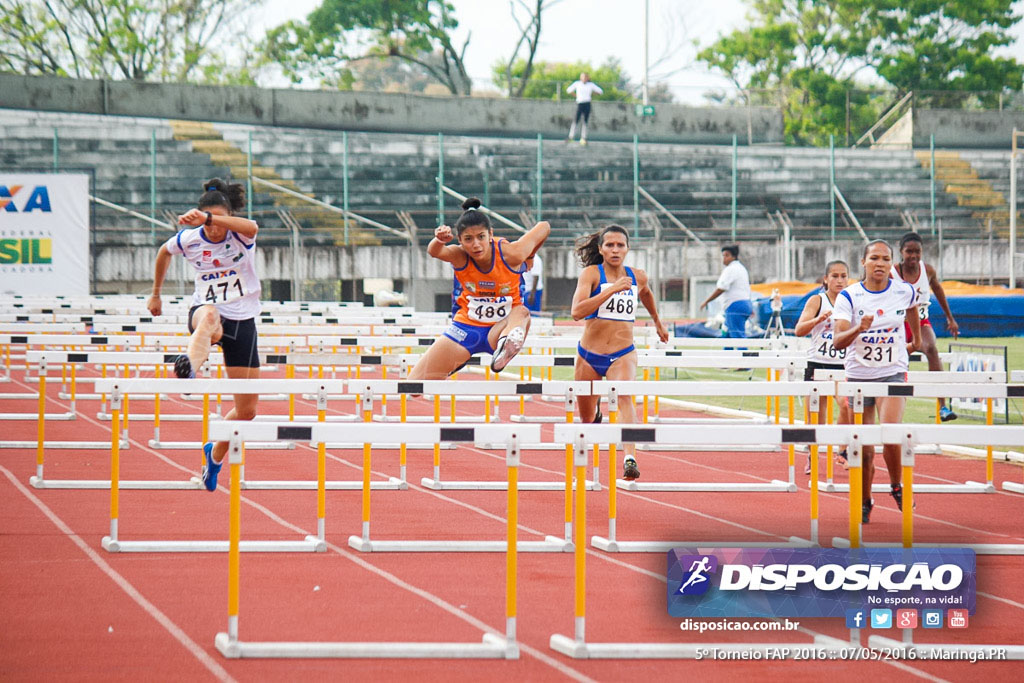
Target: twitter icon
881	618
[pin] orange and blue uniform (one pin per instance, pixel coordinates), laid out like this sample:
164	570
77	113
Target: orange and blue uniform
487	298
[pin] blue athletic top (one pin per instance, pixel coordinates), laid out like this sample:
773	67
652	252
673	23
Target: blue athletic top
604	280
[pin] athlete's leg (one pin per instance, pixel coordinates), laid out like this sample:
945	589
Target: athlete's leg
586	405
868	458
207	331
244	408
443	357
930	348
624	368
890	411
507	337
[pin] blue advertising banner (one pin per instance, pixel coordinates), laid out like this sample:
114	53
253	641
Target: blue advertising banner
817	582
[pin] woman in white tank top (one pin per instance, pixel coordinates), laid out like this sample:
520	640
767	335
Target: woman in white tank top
816	319
869	319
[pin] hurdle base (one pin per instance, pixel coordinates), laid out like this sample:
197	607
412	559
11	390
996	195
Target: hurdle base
616	546
1013	486
578	649
40	483
69	445
52	417
198	445
312	544
978	548
1013	652
776	486
392	484
491	647
966	487
435	485
550	544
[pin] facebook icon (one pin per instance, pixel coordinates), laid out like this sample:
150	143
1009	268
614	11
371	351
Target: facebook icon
856	618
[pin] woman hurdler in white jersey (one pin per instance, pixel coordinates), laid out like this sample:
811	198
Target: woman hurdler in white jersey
221	248
816	319
913	270
869	321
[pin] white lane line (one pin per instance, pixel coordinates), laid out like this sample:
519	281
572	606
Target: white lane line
148	607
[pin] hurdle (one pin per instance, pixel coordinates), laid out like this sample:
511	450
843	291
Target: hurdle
566	391
696	435
580	436
112	543
319	387
858	391
484	435
908	436
492	646
1014	486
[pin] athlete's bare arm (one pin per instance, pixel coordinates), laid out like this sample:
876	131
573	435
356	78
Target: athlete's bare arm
809	317
516	253
940	296
442	251
583	304
646	297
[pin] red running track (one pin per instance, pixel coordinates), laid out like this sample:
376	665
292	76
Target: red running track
71	611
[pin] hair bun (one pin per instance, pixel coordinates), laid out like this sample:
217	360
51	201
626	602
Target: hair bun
471	203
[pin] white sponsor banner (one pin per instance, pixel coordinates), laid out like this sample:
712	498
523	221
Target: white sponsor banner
44	234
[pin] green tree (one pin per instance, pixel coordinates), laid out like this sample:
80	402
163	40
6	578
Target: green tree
799	55
935	47
339	32
806	56
153	40
550	79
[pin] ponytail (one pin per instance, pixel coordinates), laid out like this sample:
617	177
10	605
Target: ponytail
472	216
217	192
588	247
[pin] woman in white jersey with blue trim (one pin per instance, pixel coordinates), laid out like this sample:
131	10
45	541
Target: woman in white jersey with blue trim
221	247
816	319
868	319
607	297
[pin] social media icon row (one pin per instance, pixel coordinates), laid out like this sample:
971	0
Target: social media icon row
905	618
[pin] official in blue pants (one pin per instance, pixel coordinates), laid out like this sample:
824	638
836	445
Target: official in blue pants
734	287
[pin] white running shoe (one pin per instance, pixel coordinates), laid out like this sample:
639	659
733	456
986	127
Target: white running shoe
507	348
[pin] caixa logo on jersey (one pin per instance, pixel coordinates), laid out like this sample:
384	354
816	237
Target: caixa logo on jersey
816	582
19	199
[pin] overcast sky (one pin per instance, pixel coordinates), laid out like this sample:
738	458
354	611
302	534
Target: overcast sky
593	30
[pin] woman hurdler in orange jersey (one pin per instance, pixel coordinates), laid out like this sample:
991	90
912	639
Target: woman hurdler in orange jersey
491	317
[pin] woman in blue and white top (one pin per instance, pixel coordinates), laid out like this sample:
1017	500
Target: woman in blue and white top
607	296
221	248
816	319
868	319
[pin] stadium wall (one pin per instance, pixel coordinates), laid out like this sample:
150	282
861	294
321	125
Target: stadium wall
966	129
387	112
121	269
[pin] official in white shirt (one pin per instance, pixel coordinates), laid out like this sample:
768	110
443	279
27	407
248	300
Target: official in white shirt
734	287
585	91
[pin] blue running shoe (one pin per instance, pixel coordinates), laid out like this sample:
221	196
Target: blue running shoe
946	414
211	469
